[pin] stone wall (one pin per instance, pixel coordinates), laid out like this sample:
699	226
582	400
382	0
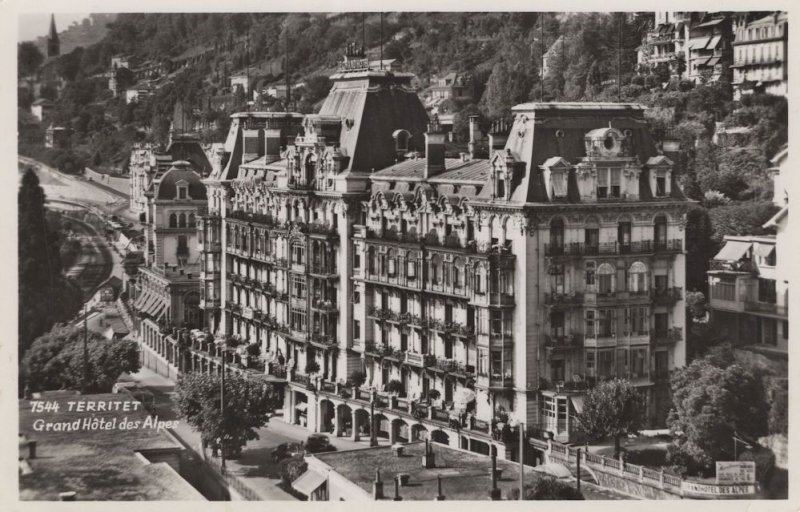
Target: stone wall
118	183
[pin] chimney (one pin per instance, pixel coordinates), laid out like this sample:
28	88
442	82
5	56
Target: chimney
434	149
272	143
377	486
498	134
474	135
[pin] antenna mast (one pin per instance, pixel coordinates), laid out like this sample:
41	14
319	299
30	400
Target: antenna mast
619	59
541	70
381	40
286	72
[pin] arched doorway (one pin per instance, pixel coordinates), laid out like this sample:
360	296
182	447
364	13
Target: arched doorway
419	432
345	420
326	416
439	436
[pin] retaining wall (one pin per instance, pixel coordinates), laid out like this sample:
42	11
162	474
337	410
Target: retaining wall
118	183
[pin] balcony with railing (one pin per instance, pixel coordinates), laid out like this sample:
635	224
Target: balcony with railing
771	308
562	300
577	249
563	342
666	296
668	337
323	340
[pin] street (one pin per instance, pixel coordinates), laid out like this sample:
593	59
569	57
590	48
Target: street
255	467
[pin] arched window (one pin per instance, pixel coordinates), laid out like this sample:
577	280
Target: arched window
173	220
372	261
192	220
660	231
436	269
392	262
411	266
557	234
624	234
591	236
458	273
182	220
401	138
637	277
480	279
606	275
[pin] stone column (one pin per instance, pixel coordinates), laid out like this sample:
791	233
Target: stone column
355	436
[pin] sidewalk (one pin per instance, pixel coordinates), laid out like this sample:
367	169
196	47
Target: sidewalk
255	467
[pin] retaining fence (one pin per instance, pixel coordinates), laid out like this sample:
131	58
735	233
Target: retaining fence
118	183
639	480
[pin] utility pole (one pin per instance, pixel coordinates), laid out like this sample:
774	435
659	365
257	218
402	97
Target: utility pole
224	348
521	461
541	69
381	40
85	350
578	479
619	59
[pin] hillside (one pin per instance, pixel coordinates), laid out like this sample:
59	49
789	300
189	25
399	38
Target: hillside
90	31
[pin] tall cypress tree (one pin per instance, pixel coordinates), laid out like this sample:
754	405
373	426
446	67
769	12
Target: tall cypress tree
41	285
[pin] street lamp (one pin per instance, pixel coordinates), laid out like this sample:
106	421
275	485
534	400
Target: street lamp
222	344
736	442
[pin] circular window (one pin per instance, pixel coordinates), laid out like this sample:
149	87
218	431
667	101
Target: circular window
560	134
609	143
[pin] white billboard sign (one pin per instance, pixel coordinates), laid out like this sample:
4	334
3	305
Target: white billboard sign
736	472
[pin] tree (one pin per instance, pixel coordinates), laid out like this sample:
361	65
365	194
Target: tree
357	378
505	88
700	248
45	295
548	488
56	360
741	219
247	405
29	58
613	408
714	398
779	408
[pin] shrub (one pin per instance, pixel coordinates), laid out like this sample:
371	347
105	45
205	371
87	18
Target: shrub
319	443
312	367
434	394
764	459
291	469
548	489
395	386
357	378
253	350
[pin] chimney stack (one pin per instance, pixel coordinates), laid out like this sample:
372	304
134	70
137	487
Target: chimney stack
474	136
434	148
272	143
498	134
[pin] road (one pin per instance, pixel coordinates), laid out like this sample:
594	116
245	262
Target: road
58	185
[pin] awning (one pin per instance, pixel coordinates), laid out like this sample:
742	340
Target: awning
308	482
734	250
698	43
713	61
711	23
153	306
714	42
702	61
577	403
141	300
764	250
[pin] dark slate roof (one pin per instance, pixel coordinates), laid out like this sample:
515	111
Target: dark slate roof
189	149
534	140
374	105
181	170
457	170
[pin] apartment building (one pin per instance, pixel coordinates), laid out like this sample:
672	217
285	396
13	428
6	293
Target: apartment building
748	285
666	42
166	288
709	47
760	55
472	294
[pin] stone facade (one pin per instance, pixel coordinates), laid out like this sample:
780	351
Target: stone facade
507	284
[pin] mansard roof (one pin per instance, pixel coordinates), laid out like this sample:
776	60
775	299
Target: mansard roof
456	171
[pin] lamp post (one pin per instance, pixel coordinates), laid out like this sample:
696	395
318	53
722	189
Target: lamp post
223	345
736	442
